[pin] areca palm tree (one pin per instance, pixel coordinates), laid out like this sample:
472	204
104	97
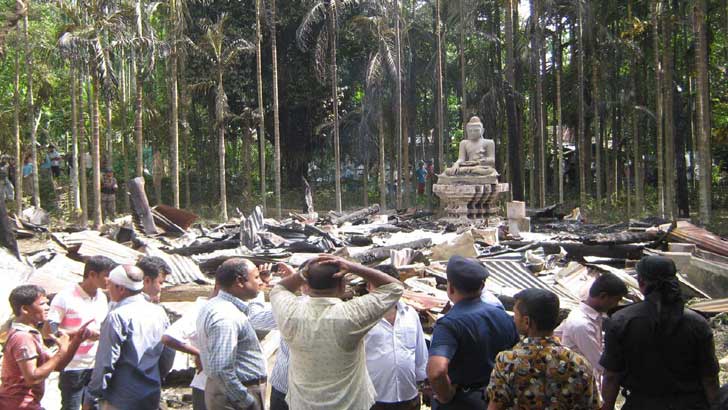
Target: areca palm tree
318	29
221	53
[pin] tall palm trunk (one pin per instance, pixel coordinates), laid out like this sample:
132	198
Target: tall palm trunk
538	139
581	140
440	157
559	168
398	63
515	171
109	151
31	109
74	143
277	121
95	152
461	49
335	101
655	8
595	128
219	115
16	129
703	112
669	130
138	113
82	156
261	106
382	159
174	108
125	85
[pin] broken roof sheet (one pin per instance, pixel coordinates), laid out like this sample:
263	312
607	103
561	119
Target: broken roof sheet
184	269
515	275
687	232
115	251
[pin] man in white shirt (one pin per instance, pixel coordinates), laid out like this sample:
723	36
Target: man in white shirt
71	308
396	356
326	335
582	330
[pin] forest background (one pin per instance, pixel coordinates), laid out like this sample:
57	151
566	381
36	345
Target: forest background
354	94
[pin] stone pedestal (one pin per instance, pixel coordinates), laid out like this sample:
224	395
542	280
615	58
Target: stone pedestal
470	197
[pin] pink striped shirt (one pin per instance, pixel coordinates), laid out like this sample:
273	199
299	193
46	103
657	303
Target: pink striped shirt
73	307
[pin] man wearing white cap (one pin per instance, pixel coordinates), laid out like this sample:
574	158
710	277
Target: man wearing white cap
131	360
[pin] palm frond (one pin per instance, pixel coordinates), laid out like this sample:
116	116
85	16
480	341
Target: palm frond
310	23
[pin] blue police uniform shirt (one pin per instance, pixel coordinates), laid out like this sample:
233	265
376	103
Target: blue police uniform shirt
471	334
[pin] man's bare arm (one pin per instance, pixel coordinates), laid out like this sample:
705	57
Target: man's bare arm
610	389
437	368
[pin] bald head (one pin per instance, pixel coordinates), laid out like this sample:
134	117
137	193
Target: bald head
233	269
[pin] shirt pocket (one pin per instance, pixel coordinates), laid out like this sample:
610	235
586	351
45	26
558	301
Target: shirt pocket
408	337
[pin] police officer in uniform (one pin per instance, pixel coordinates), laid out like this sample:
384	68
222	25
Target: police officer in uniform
466	340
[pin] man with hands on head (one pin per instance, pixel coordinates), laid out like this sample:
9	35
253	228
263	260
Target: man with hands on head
326	335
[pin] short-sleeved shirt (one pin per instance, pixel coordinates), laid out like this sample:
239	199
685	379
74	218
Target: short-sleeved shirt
657	364
184	330
327	367
541	374
471	334
421	175
71	308
24	343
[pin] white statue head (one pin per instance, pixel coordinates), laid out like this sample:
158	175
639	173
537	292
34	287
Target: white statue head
474	129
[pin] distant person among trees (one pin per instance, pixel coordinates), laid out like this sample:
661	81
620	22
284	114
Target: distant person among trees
540	373
28	170
657	350
54	159
326	335
421	178
26	362
79	303
108	194
582	331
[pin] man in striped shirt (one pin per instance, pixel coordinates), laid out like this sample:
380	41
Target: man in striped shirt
72	307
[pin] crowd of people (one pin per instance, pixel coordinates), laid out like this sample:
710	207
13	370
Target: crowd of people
360	353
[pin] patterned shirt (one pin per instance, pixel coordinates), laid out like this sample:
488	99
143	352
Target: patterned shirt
541	374
229	348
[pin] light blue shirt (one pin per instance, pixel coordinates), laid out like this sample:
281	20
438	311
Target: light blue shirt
229	348
131	359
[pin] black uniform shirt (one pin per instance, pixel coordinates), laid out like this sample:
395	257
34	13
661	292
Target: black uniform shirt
657	364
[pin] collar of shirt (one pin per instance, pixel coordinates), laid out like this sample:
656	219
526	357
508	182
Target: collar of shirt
83	294
239	303
22	327
324	300
131	299
589	311
540	341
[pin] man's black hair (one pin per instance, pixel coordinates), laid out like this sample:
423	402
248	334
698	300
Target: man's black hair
541	306
321	276
389	269
230	271
24	295
608	283
98	264
152	266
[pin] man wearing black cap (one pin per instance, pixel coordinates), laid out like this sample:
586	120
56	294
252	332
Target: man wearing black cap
660	352
466	340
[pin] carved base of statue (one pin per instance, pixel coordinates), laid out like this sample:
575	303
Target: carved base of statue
470	198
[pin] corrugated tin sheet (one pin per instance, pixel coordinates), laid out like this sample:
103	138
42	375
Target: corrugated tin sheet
74	240
514	274
115	251
711	306
184	269
689	233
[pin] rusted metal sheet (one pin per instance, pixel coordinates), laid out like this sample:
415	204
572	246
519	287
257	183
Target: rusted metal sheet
687	232
180	217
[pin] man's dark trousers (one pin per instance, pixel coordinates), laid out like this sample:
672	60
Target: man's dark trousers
277	400
464	400
72	384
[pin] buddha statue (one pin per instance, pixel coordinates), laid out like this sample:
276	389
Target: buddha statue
476	155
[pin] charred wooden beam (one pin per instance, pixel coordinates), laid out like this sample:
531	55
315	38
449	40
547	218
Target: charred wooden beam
205	247
354	216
